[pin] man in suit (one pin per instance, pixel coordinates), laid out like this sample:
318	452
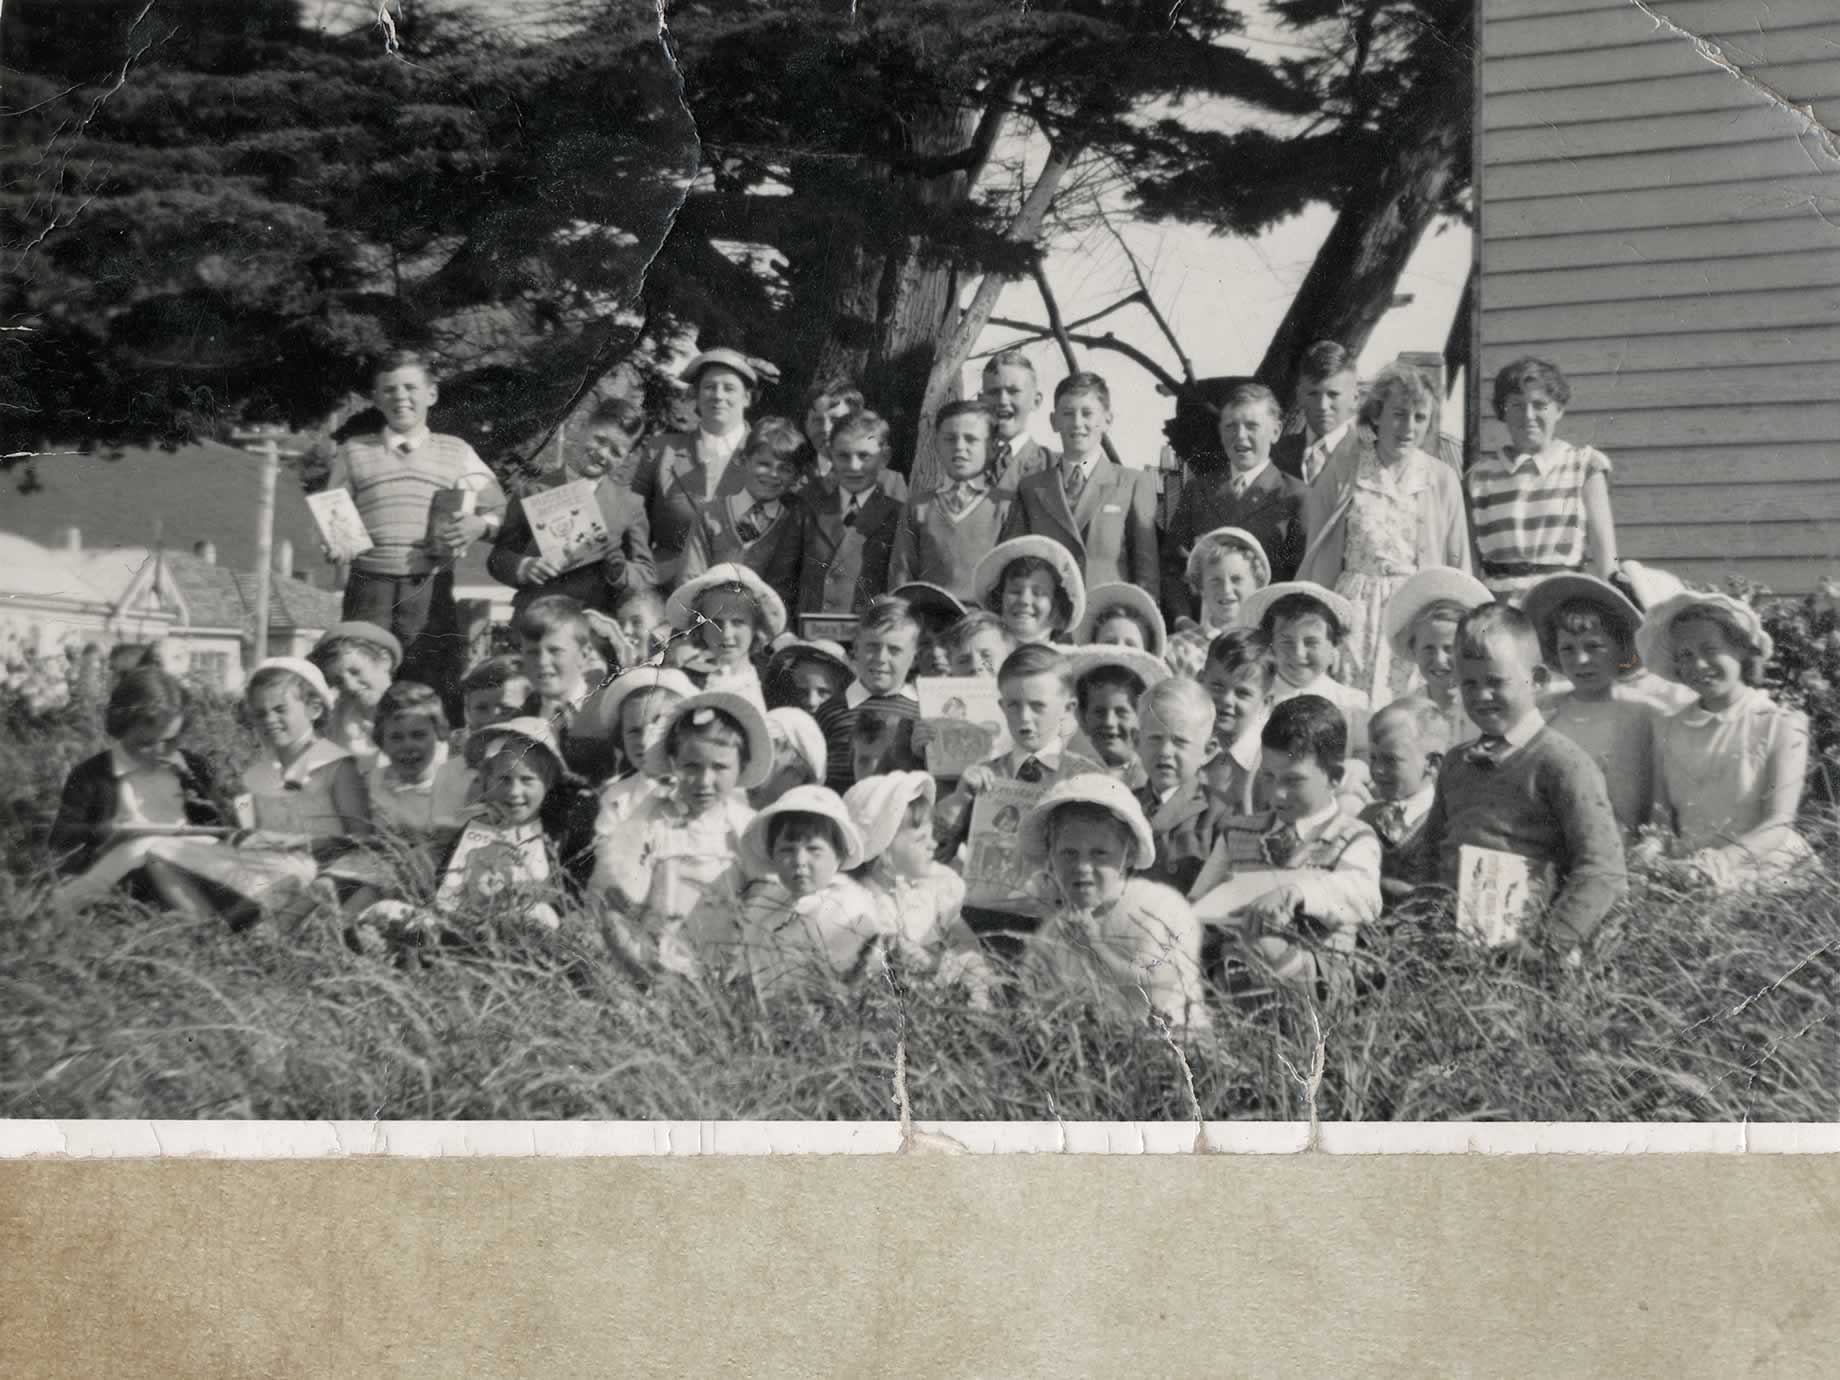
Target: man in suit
1329	394
1250	493
1102	512
1012	391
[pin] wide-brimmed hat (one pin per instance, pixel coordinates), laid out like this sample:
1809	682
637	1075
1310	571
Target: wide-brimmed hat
1252	611
1084	661
680	608
1090	788
804	800
1546	597
1655	638
1236	538
751	718
879	804
727	359
817	649
1105	599
531	730
925	597
357	630
987	580
1440	584
599	715
300	666
800	730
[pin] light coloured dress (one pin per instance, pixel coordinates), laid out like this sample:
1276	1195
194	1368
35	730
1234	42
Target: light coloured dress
778	943
1380	554
1730	782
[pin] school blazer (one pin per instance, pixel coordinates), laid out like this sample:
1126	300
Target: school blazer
628	568
91	796
773	555
669	480
1111	530
1025	458
1443	529
1184	828
842	568
1271	510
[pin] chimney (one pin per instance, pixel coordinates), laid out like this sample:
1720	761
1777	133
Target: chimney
284	558
73	539
205	551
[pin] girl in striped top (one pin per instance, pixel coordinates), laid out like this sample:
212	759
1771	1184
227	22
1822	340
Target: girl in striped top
1541	505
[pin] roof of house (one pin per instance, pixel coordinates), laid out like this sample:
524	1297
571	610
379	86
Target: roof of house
214	596
28	570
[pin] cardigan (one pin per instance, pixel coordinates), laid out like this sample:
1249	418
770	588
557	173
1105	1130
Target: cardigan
1111	530
931	545
91	799
1443	531
842	568
626	569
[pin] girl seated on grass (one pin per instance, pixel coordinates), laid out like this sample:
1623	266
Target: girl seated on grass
734	616
922	897
140	787
1729	768
1034	585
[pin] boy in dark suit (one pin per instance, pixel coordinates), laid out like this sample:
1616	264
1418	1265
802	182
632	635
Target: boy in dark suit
1329	395
1012	392
1102	512
1407	739
846	537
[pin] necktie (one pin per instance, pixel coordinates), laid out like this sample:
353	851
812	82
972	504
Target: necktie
1031	771
1073	480
1312	462
849	512
750	525
1487	752
402	447
1280	845
999	457
1392	820
1237	486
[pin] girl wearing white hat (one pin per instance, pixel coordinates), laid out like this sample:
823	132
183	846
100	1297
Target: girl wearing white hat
924	897
735	615
634	708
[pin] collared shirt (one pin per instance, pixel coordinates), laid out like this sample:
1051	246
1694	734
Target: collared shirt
960	495
147	795
716	453
1311	825
1242	482
856	692
1412	809
405	442
1528	510
1318	452
1082	468
1519	734
1049	757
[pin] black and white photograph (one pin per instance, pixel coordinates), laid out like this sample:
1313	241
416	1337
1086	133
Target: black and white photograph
953	560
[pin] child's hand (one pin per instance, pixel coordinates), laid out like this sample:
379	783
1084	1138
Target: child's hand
459	532
1275	909
977	778
535	570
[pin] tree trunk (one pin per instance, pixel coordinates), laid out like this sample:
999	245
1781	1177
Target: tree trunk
1351	283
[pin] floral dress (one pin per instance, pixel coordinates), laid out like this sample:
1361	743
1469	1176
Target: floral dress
1381	555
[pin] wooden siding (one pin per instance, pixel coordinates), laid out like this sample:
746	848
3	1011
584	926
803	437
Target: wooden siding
1671	238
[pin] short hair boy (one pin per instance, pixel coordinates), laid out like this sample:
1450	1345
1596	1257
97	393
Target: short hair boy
882	655
847	536
1408	744
1175	740
1238	678
758	527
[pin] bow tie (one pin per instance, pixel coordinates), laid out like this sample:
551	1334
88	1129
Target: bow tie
1280	845
1031	771
1487	752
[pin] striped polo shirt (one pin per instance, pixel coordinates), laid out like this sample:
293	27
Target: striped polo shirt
393	492
1527	512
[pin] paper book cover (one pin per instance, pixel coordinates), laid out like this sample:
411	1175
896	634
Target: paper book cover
340	527
1222	904
995	873
1498	894
567	525
965	717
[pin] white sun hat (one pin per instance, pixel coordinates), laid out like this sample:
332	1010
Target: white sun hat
680	608
988	578
757	858
878	804
748	715
1090	788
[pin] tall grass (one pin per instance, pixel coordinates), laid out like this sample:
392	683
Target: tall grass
1694	1007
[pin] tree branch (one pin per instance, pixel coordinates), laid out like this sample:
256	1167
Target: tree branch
1061	338
1108	341
1144	295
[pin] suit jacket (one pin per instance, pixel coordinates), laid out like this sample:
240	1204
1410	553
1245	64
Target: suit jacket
91	796
1183	827
1287	451
842	568
1271	509
1111	530
628	567
773	555
1025	458
670	481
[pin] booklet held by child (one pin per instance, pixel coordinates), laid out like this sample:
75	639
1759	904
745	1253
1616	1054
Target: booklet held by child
1497	893
996	874
965	718
340	527
567	525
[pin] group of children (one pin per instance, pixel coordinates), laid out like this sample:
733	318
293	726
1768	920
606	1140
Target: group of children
1211	811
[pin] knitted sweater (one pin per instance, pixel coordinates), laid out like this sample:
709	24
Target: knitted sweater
1546	802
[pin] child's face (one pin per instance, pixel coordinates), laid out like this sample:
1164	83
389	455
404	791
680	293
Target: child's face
1174	748
496	703
1399	759
1241	698
638	619
721	400
806	862
1110	721
1499	687
1588	657
932	659
606	445
1707	662
814	685
1087	857
728	626
1028	606
360	673
706	773
857	459
1327	403
642	710
1434	648
515	784
1036	708
280	715
883	658
404	397
1081	421
1011	392
789	770
1246	432
1226	581
1298	786
1402	424
149	744
1119	631
1532	418
982	653
823	414
1304	648
963	445
769	476
556	663
910	852
409	741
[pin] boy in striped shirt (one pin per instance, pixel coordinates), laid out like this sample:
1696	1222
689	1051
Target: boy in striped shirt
405	582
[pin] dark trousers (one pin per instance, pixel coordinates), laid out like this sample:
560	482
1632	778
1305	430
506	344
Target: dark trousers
419	610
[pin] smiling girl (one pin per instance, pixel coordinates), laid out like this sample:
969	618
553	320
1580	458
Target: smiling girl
1034	586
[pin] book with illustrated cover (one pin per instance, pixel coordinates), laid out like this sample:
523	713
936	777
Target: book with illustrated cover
567	526
340	527
1498	893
